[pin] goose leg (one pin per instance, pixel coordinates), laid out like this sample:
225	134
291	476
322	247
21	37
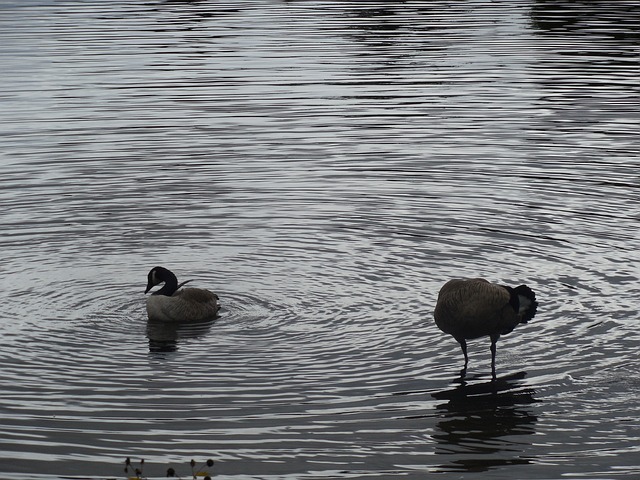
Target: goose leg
494	340
463	346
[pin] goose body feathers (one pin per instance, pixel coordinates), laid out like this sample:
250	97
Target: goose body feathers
174	304
473	308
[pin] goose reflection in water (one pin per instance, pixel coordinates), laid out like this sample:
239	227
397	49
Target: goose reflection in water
164	337
484	425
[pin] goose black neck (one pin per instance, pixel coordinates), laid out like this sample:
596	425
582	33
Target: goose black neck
170	284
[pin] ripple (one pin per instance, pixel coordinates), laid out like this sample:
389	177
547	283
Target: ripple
325	171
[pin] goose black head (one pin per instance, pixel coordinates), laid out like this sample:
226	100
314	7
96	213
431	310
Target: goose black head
158	275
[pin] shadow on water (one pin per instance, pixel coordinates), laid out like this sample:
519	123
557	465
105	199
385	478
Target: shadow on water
164	337
598	19
484	425
590	44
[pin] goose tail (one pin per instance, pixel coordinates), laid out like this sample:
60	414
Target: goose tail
526	301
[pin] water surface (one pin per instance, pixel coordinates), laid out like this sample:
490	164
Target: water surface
324	167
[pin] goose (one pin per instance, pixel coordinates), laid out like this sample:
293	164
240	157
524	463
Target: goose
172	304
473	308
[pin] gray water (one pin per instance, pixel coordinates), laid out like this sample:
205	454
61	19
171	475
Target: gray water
324	167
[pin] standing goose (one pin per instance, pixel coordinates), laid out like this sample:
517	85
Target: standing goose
169	304
473	308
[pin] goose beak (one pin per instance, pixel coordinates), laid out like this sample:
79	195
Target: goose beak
149	287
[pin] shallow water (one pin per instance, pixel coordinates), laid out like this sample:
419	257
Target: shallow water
324	167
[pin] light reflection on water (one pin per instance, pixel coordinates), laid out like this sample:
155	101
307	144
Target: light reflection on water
324	167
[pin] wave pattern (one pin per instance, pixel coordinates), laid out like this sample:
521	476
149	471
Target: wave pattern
324	167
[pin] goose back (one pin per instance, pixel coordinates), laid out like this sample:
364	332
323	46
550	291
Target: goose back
188	304
473	308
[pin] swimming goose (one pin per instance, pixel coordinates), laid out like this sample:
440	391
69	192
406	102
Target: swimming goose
169	304
473	308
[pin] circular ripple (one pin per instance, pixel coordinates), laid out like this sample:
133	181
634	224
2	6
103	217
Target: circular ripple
325	184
